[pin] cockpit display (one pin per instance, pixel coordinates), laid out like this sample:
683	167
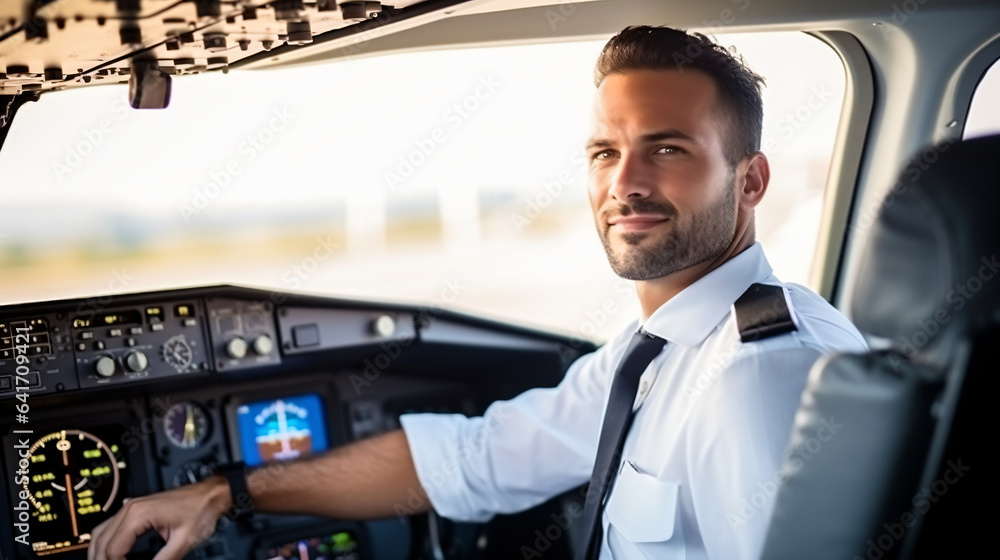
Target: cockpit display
281	429
68	482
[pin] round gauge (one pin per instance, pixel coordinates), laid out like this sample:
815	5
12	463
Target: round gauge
73	482
186	425
177	353
192	472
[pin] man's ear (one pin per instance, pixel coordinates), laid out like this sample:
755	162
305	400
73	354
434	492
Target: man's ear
754	175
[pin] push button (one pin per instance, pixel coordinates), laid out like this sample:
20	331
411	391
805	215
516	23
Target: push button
34	380
305	335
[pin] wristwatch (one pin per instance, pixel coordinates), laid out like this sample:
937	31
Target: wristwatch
236	474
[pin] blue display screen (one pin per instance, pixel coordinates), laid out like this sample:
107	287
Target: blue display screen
281	429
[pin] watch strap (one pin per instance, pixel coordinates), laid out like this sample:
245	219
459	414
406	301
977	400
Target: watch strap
236	475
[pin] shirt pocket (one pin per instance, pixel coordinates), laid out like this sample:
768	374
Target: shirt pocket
643	517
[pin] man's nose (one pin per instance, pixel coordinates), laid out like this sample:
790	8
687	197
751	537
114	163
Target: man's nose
632	178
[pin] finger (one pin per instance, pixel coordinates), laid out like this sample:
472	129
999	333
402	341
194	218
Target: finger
135	521
99	536
91	547
175	549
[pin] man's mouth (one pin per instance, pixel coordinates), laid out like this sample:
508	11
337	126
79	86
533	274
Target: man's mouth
636	222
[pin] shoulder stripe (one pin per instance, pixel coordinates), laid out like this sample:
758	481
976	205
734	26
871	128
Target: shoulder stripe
764	311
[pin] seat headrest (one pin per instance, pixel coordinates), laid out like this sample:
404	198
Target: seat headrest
932	270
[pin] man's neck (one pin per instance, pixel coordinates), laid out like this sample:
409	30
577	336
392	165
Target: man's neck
654	293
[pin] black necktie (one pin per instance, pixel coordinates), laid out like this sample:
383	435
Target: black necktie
617	419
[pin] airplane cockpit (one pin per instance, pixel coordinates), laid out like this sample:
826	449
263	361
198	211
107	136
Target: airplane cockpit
281	225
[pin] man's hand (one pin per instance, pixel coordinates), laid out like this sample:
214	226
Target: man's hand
368	479
184	517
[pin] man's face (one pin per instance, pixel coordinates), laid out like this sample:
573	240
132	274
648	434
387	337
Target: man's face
660	186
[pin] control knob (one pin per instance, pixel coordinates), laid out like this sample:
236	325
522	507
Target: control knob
236	348
105	366
262	345
136	362
383	325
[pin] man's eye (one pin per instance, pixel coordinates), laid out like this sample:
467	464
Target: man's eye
668	150
603	154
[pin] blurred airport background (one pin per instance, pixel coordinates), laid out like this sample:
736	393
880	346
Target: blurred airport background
452	177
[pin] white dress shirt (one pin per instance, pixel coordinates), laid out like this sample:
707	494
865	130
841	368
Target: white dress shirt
701	461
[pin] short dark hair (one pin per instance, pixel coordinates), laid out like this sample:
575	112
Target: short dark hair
665	48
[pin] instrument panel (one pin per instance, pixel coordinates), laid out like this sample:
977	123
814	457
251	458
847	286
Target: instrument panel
101	400
65	478
93	347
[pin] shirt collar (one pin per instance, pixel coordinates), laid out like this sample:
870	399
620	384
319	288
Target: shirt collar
690	316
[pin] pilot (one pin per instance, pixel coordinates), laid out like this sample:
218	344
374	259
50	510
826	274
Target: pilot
679	424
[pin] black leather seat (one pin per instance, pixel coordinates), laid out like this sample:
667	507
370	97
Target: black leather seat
890	451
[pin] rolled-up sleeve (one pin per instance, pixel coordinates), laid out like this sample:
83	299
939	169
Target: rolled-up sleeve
520	452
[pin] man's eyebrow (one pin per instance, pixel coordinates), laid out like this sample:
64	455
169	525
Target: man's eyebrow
669	134
596	143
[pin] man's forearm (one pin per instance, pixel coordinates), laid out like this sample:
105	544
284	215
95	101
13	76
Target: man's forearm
368	479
